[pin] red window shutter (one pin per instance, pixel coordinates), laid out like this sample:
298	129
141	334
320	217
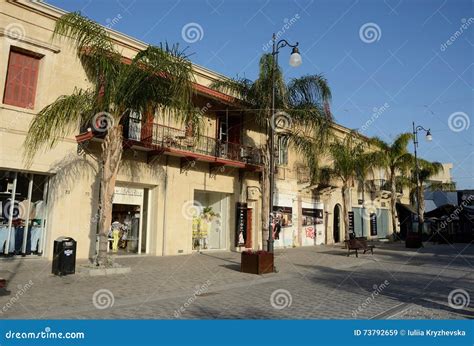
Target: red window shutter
22	77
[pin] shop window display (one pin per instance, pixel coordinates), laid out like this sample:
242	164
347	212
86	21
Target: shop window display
311	218
125	228
284	215
22	212
201	225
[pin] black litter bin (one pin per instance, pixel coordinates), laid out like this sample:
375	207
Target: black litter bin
64	256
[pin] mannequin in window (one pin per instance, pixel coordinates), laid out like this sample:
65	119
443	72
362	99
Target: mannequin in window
116	227
23	207
277	229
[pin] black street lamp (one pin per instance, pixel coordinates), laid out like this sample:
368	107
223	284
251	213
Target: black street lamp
295	61
418	242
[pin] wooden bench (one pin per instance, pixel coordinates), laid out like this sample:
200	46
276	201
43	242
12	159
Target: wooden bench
358	244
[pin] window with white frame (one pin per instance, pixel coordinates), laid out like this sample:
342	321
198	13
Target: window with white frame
282	158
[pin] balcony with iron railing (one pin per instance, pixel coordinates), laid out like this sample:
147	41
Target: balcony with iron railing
180	142
377	185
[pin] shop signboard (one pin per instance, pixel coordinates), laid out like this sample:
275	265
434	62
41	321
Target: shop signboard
128	195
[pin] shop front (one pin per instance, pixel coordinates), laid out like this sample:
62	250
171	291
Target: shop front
129	230
283	225
23	211
312	224
210	226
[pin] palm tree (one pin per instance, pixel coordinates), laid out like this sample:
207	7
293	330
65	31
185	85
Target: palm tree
301	113
395	159
349	159
156	78
426	170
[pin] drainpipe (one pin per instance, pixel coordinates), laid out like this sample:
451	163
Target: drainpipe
163	245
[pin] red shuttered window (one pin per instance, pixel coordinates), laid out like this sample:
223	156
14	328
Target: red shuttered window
22	77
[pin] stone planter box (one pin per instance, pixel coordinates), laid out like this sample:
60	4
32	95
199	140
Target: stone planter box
105	271
256	262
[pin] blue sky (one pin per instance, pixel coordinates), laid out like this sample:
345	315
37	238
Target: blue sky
401	62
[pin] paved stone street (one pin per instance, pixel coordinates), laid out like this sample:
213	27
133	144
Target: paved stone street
313	282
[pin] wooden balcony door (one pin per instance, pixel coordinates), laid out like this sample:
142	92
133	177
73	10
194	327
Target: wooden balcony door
229	135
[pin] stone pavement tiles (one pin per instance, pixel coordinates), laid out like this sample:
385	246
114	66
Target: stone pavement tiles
311	283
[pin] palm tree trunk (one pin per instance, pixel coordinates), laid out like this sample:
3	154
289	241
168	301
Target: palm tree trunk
421	209
393	203
345	211
111	156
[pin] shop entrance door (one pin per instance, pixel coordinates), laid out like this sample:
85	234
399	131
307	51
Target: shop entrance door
211	222
382	223
128	234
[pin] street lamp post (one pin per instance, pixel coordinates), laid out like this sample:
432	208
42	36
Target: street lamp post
295	61
429	137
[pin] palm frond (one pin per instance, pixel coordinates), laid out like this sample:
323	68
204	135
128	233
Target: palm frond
158	77
310	92
57	120
94	48
439	186
237	87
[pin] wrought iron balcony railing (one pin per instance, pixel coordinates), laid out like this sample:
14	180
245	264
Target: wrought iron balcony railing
382	185
153	135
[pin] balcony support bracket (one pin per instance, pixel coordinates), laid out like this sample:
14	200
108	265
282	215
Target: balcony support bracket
215	168
186	164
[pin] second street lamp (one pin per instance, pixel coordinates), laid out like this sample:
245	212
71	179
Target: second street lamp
418	241
295	61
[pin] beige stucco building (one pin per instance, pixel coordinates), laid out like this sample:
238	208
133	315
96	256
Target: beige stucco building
164	182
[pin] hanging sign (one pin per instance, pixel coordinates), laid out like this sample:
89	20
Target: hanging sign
241	224
373	224
351	222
